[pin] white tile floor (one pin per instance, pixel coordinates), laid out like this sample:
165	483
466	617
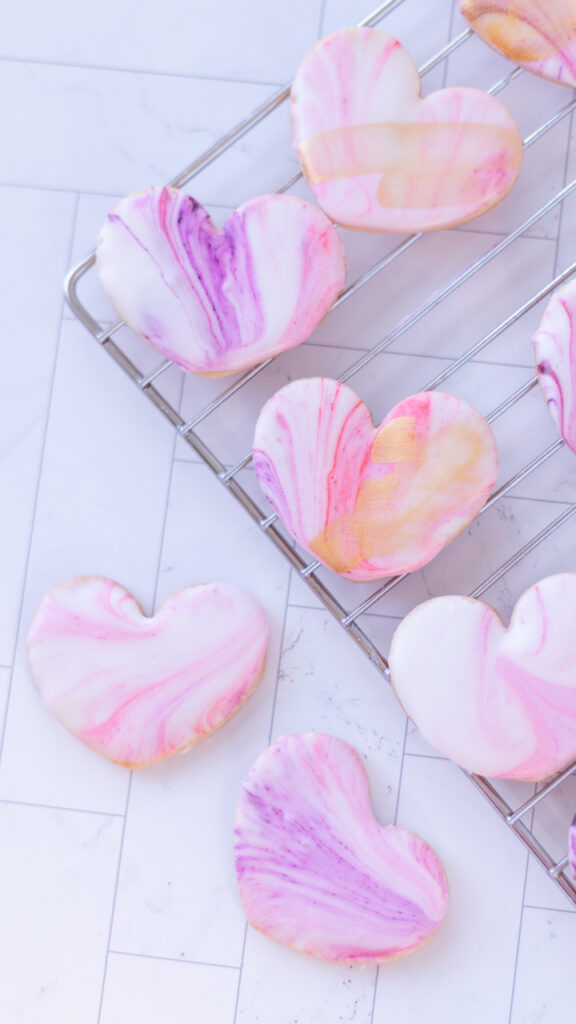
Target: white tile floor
117	895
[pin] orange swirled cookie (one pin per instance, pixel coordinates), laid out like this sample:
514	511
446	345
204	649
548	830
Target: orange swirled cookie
540	35
370	502
139	689
378	157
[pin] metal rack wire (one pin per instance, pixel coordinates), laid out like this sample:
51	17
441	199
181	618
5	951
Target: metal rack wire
518	818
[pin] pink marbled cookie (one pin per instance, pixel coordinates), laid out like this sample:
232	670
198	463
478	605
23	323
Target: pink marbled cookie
500	702
370	502
315	869
555	351
540	35
216	302
139	689
378	157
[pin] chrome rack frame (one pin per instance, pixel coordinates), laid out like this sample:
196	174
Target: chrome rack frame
516	818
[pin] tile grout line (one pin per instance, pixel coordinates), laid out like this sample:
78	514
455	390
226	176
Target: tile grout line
114	896
173	959
375	994
272	715
127	805
449	36
73	225
90	192
167	505
520	924
561	212
321	18
394	819
550	910
113	69
58	807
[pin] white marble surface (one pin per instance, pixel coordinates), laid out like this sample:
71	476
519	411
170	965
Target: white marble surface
117	895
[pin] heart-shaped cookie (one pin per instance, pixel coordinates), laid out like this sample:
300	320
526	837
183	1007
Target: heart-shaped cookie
219	301
500	702
540	35
378	157
372	502
316	871
138	689
555	351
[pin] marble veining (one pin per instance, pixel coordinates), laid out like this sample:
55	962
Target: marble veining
500	702
317	872
378	157
540	35
371	502
138	689
216	302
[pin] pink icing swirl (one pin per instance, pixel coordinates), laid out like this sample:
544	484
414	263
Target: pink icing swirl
214	301
316	871
540	35
500	702
139	689
378	157
371	502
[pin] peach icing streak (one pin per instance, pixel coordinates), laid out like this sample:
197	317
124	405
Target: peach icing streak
540	35
378	157
371	502
138	689
317	872
500	702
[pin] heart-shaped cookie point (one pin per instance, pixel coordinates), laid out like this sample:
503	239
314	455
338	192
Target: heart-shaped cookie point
216	302
372	502
317	872
540	35
138	689
555	351
499	702
378	157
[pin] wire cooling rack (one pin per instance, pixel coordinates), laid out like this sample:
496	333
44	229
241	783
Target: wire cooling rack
519	815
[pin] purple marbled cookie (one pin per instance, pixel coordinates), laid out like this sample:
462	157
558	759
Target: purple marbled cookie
315	869
216	302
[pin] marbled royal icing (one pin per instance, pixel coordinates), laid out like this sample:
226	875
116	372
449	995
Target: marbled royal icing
371	502
138	689
219	301
555	351
378	157
500	702
316	871
538	34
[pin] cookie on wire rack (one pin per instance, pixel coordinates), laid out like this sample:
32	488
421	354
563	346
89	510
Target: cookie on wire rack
540	35
498	701
378	157
217	302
